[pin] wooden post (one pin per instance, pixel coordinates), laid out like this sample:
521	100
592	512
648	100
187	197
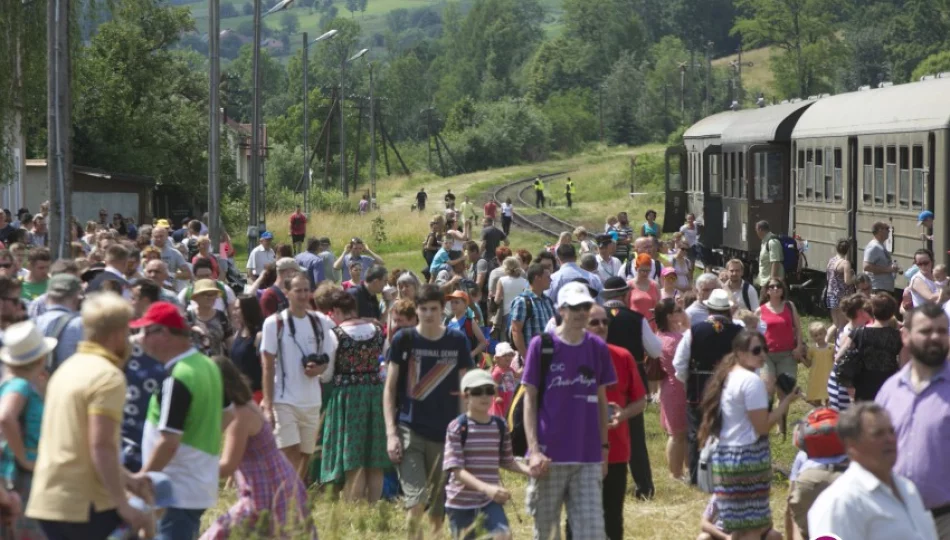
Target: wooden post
382	138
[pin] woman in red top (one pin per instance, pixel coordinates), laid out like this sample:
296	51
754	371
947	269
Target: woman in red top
643	297
782	333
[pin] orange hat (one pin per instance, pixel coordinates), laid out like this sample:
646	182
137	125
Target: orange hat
461	295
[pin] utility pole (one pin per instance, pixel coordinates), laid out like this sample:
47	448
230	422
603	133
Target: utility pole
682	90
214	121
306	128
709	45
372	138
739	87
600	92
59	153
343	186
253	223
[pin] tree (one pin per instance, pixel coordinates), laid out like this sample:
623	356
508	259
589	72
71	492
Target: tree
227	11
558	65
935	63
572	119
273	83
247	9
608	27
352	6
289	23
397	20
804	32
362	6
920	28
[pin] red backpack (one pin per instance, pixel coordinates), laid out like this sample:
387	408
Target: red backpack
817	434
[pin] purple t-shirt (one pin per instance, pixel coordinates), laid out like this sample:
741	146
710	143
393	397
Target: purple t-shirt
569	421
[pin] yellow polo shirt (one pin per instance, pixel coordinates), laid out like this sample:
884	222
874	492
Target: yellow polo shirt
65	482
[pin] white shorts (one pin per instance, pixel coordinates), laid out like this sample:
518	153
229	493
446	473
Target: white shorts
296	425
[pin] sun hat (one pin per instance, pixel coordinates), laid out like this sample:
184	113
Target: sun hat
62	285
923	216
668	271
461	295
475	378
574	294
161	314
287	263
203	286
266	235
616	284
718	301
504	349
93	271
604	240
23	344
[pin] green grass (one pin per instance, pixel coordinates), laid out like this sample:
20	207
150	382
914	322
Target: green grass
755	78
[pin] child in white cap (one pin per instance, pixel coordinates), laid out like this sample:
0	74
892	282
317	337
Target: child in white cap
505	376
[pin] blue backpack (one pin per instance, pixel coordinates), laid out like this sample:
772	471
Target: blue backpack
790	254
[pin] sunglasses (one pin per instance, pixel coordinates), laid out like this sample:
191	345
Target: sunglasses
598	322
580	307
756	351
482	391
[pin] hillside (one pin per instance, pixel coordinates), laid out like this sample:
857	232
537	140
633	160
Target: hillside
757	77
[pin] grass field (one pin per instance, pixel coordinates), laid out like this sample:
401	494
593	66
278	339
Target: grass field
755	78
602	177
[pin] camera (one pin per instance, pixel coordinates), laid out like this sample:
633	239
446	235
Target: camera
318	359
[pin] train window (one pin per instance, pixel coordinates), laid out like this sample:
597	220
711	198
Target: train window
878	176
838	176
904	191
917	191
829	175
735	175
727	175
819	176
890	170
675	181
715	174
810	175
773	177
800	174
742	178
868	187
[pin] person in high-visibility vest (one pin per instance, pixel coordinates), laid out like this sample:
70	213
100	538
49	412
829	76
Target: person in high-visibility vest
538	193
569	192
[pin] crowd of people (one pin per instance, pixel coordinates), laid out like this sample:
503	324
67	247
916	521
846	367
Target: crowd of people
146	359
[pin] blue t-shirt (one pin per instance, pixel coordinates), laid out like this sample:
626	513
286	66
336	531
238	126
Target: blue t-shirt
32	420
428	396
143	376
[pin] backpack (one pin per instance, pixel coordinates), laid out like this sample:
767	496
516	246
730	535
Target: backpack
56	331
745	295
192	245
519	440
282	316
628	268
790	254
499	423
817	434
528	312
282	302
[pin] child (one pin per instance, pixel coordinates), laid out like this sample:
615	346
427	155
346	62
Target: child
505	377
669	290
940	275
464	321
476	445
819	361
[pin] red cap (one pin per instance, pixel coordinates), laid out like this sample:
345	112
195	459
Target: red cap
161	314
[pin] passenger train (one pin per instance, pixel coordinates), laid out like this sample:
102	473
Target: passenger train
819	169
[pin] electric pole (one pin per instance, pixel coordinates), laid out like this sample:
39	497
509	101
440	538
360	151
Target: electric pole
214	121
255	176
59	152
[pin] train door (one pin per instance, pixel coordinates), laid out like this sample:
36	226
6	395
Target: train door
768	198
676	202
712	197
853	199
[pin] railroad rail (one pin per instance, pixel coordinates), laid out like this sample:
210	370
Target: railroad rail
537	220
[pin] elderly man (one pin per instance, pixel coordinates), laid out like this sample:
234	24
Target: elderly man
705	285
182	435
262	255
878	263
771	256
157	271
569	272
694	365
177	265
917	398
61	319
79	487
870	501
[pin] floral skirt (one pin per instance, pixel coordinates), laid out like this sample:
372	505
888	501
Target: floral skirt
742	479
354	431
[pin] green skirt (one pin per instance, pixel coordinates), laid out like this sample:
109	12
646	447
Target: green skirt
354	431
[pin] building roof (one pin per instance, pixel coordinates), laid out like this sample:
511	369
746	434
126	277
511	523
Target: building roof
768	124
919	106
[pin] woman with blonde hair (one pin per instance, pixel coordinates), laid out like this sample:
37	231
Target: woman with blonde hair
509	286
564	238
585	241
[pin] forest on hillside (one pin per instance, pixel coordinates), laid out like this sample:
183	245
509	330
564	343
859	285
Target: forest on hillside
502	81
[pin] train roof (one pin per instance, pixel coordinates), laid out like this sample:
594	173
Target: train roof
919	106
768	124
711	126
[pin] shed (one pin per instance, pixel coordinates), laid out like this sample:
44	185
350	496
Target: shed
126	194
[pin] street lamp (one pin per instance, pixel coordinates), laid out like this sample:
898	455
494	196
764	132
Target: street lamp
343	63
306	117
372	128
258	223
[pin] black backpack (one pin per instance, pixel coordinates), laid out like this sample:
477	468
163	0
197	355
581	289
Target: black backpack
519	441
499	423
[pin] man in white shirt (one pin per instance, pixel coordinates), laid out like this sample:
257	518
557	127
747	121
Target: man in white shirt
744	295
261	256
297	347
869	501
608	266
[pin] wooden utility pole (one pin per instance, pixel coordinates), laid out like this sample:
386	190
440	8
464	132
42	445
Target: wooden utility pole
214	125
59	153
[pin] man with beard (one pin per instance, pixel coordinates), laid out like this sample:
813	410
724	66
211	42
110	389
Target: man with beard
918	400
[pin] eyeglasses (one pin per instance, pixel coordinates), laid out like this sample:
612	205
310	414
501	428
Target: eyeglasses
580	307
598	322
482	391
756	351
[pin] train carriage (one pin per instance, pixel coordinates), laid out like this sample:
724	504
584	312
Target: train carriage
868	156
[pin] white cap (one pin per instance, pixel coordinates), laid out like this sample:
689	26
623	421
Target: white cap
503	349
574	294
475	378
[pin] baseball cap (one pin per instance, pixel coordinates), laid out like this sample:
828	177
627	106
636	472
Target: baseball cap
574	294
604	240
475	378
161	314
266	235
287	263
923	216
64	285
461	295
668	271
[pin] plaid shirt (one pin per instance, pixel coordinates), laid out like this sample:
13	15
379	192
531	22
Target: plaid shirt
542	311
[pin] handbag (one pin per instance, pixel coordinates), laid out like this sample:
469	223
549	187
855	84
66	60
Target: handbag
704	474
498	325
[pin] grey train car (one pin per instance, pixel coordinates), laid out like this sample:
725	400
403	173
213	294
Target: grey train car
823	170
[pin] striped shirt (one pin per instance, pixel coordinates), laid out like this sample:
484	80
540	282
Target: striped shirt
838	398
480	457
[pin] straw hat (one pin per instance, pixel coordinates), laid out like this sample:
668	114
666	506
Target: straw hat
23	344
203	286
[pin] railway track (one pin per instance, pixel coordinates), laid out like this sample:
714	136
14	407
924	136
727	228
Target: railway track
537	220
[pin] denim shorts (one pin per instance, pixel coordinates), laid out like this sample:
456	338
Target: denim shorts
492	521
